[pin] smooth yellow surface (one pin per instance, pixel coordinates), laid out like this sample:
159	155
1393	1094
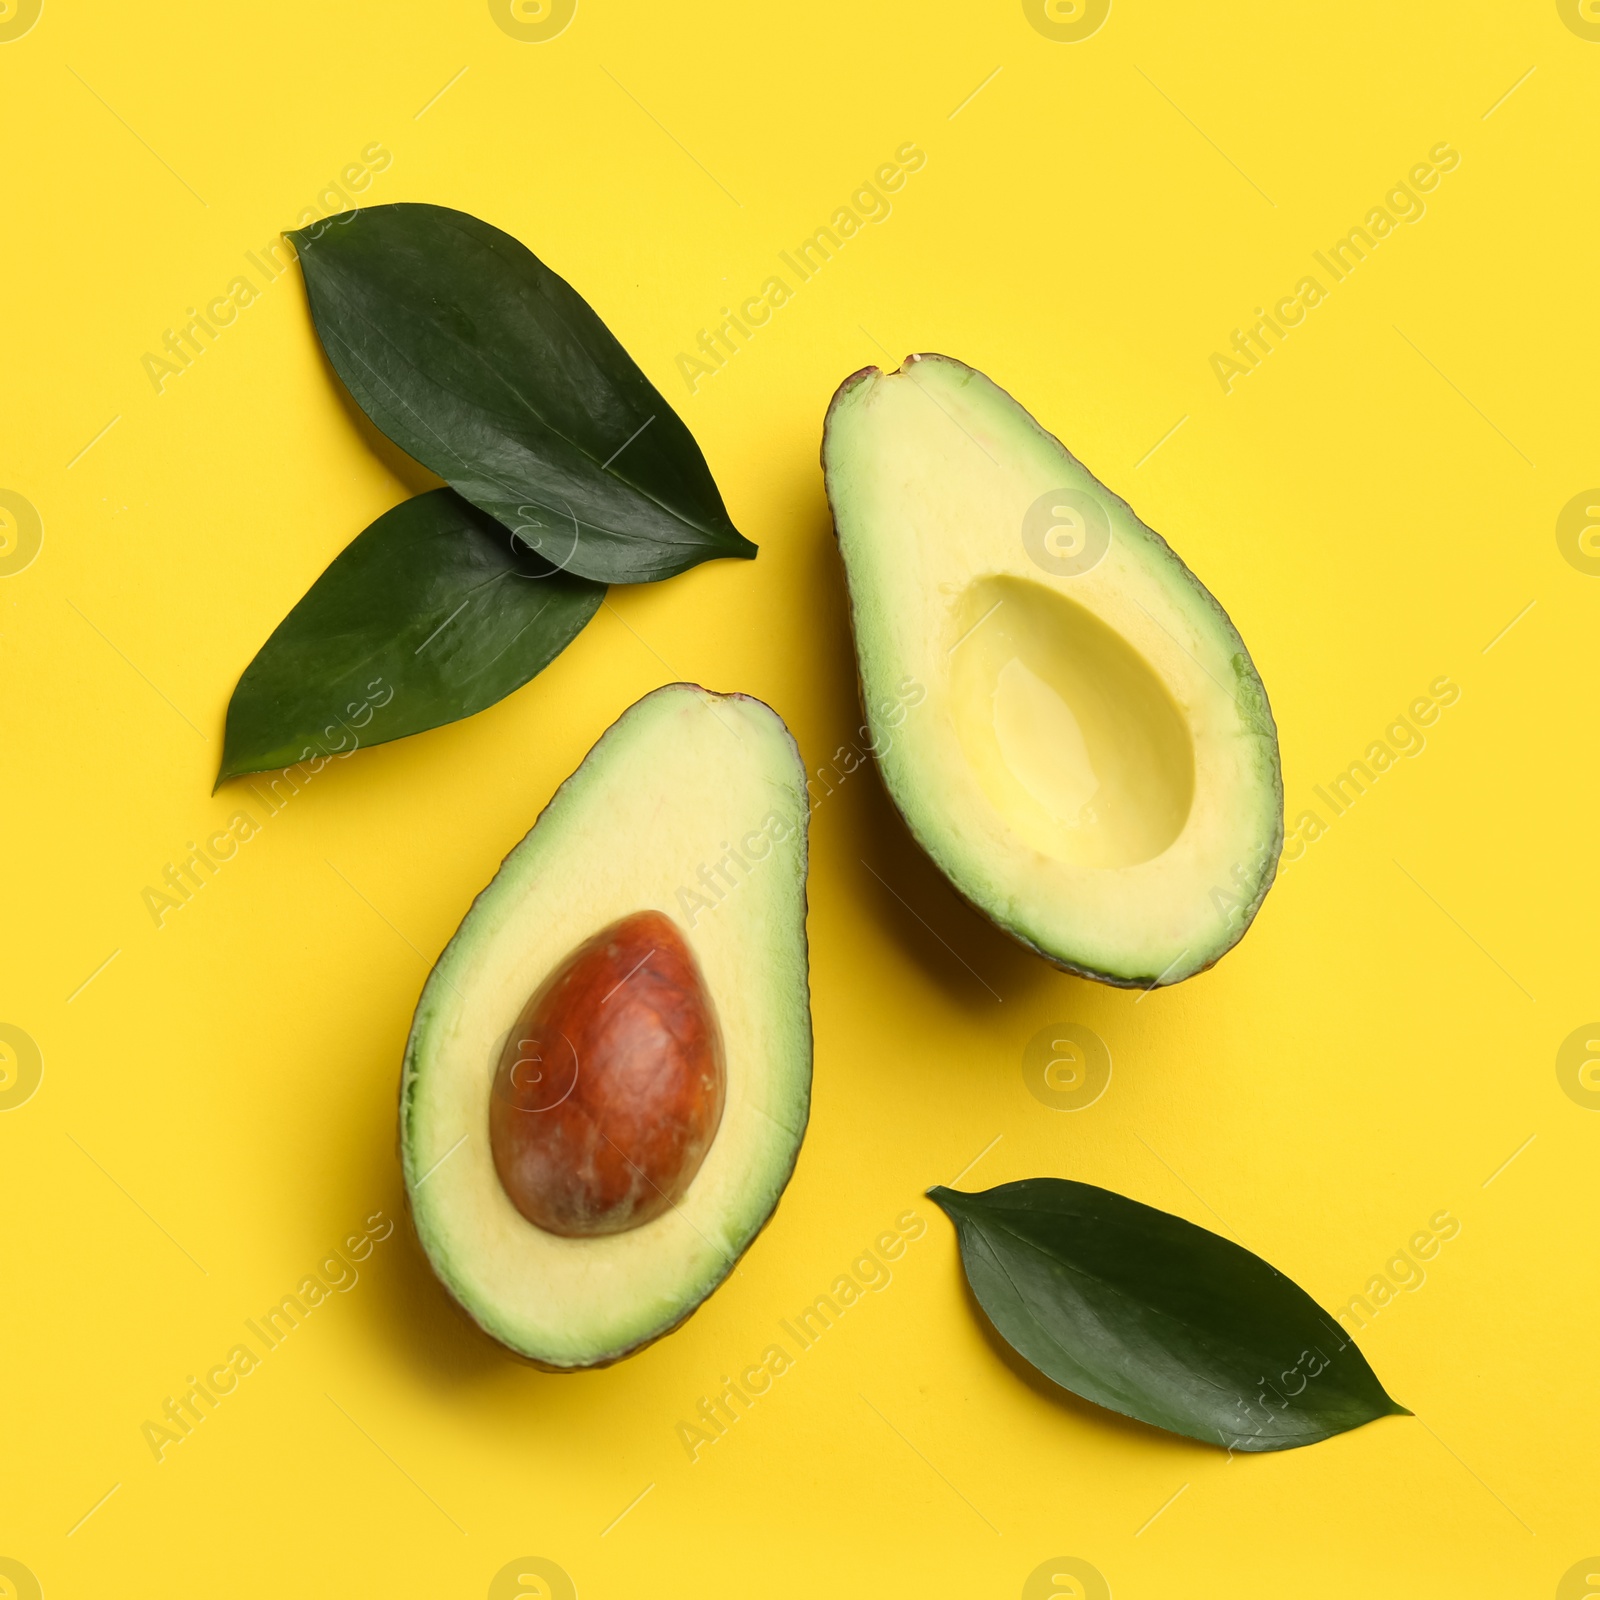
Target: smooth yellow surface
1376	502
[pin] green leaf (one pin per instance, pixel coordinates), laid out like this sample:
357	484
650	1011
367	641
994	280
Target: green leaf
1149	1315
433	613
476	359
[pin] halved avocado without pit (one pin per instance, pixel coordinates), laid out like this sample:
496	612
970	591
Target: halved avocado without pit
609	1073
1094	765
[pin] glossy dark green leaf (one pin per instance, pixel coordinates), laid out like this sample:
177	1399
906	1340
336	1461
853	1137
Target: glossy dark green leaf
434	612
1149	1315
475	358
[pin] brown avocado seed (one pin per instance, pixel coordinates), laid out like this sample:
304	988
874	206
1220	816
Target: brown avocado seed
610	1087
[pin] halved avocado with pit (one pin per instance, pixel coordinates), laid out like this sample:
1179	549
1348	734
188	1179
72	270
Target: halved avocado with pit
1094	765
609	1073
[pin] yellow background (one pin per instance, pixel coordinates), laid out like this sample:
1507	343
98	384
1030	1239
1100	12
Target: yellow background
1373	505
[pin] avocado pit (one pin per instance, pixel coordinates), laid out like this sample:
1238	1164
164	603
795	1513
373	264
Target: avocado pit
610	1087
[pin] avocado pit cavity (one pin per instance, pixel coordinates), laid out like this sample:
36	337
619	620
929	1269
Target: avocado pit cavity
610	1088
1071	734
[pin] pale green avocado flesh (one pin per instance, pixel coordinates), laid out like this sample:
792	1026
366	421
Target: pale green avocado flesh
692	804
1093	763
